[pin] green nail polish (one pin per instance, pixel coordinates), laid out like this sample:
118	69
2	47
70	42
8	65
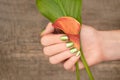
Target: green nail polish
69	44
78	53
73	50
64	38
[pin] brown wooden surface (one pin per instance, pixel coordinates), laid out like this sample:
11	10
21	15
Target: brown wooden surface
21	56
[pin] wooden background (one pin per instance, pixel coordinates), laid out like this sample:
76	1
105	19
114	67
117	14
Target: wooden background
21	56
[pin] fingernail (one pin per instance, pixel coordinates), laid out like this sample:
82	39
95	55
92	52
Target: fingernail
78	53
64	38
73	50
69	44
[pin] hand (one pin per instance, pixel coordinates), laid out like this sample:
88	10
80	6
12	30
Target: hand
58	52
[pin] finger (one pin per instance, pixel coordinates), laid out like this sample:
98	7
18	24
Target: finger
73	68
52	39
48	29
71	62
55	49
59	58
81	66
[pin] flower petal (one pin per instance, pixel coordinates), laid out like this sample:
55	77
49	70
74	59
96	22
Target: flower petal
71	27
67	24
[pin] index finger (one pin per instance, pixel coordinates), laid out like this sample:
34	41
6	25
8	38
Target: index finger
49	29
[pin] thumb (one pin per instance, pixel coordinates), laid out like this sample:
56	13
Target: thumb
48	29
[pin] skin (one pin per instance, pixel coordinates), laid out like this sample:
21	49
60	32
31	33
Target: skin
98	46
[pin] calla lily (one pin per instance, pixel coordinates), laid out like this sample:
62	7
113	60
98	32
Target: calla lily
66	16
71	28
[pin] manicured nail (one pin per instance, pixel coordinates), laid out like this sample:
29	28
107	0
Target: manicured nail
69	44
73	50
78	53
64	38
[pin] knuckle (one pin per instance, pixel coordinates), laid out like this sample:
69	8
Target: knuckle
66	67
45	51
72	70
52	61
43	40
72	60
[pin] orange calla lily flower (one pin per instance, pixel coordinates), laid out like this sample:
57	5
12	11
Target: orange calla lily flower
71	27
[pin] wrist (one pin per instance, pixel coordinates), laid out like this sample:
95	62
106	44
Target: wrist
110	44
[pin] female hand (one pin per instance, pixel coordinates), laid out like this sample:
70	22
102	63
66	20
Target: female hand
60	49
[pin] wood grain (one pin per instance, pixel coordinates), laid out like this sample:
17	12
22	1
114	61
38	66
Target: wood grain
21	56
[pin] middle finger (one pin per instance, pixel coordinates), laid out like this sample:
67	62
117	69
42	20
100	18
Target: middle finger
57	48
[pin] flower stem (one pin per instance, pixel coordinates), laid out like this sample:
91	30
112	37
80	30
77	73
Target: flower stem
86	65
77	71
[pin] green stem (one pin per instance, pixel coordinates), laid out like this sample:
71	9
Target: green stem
86	65
77	71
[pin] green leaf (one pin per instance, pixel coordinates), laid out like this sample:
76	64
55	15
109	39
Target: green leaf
54	9
73	8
